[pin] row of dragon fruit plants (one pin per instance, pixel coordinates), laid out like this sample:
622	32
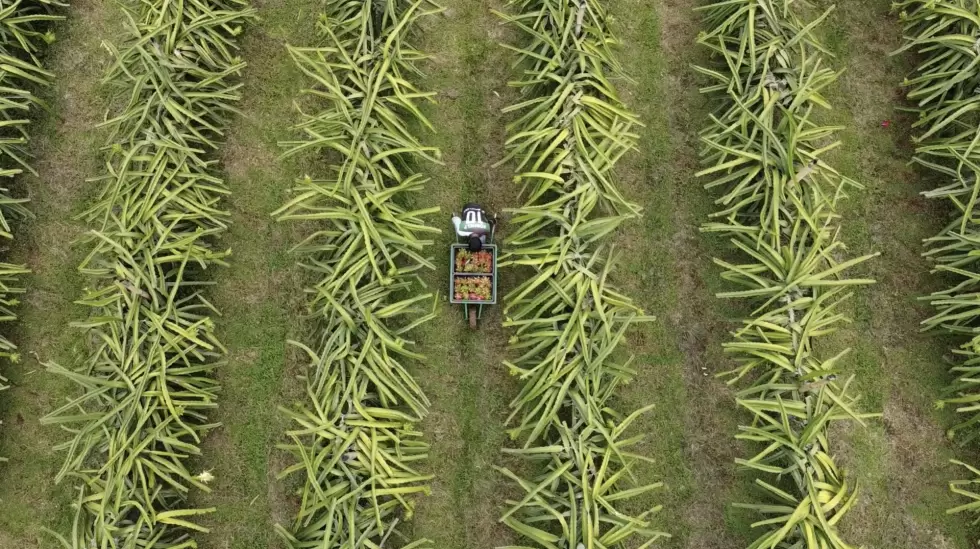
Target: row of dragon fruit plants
146	386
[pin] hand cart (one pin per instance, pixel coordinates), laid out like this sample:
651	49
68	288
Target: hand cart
473	277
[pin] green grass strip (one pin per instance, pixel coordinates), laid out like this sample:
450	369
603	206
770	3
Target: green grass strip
24	34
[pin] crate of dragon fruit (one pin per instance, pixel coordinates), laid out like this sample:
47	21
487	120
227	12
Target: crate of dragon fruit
473	275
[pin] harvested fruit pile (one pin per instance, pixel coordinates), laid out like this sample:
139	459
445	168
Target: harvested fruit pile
474	262
473	287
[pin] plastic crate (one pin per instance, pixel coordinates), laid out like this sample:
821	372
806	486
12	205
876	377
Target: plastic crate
453	274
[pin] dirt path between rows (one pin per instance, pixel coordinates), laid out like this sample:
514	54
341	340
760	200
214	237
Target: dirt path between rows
671	275
463	374
65	146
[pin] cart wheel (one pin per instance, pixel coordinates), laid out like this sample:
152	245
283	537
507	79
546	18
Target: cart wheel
472	317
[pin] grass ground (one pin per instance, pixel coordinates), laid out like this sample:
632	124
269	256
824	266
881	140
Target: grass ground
902	459
666	268
665	265
66	153
260	296
463	375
